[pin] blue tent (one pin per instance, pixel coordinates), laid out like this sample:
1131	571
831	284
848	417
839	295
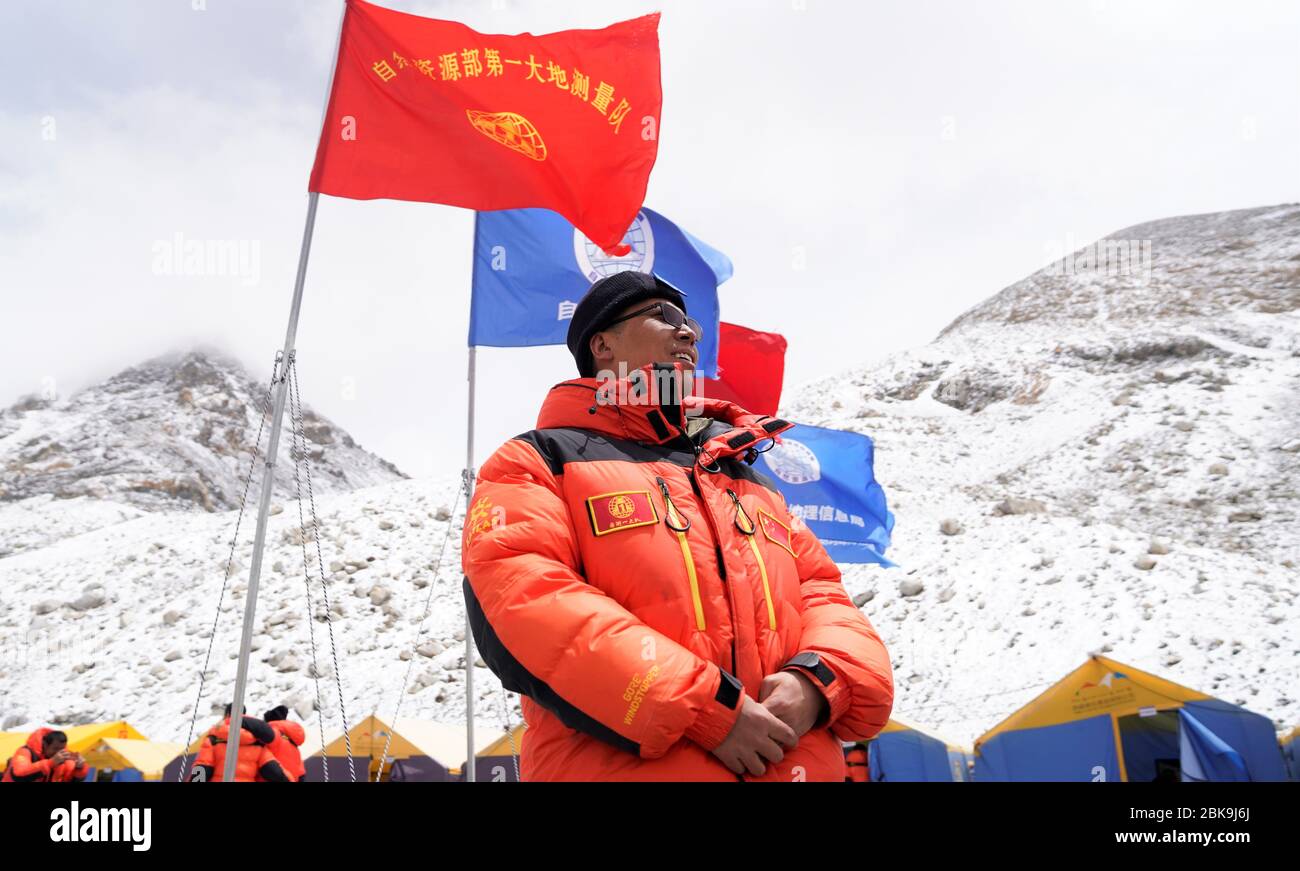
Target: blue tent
1291	753
1109	722
901	753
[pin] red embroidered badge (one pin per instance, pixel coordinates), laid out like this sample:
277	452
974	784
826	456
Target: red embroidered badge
612	512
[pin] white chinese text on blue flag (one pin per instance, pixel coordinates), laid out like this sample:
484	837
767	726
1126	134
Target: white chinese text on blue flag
827	479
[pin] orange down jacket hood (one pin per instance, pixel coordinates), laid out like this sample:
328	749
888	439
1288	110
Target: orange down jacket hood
632	582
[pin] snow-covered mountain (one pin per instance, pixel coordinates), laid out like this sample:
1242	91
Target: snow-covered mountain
174	433
1091	461
1100	457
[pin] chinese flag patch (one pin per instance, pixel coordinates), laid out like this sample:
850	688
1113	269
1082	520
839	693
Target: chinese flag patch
612	512
776	531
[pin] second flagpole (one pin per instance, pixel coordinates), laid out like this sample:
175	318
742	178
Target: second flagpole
469	492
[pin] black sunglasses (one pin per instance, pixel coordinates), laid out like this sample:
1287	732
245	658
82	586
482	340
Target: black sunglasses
671	315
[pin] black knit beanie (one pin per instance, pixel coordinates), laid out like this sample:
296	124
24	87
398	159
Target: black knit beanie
602	303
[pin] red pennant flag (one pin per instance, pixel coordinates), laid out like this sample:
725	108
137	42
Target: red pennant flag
433	111
751	366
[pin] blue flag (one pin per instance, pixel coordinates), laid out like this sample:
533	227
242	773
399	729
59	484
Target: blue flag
827	479
531	267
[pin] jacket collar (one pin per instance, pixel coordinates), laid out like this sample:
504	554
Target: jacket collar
624	409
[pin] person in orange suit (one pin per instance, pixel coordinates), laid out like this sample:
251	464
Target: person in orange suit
288	738
45	758
855	759
649	594
255	761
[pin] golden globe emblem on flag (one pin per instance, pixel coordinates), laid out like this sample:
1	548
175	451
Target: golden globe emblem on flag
511	129
621	507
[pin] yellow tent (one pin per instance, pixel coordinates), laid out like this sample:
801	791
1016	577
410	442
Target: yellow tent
148	757
1108	721
442	742
82	738
507	745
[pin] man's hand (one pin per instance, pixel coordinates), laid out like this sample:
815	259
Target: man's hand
755	739
793	699
61	757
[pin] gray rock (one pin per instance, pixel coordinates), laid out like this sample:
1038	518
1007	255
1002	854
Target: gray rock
910	587
172	656
1245	517
864	597
1145	563
171	617
87	601
385	525
946	594
47	606
1015	505
430	648
379	594
1159	548
950	527
1218	470
443	513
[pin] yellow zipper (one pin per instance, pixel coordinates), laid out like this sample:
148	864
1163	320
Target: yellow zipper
748	529
679	524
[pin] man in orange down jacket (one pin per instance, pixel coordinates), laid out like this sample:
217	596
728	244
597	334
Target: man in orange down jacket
45	758
254	762
626	571
288	738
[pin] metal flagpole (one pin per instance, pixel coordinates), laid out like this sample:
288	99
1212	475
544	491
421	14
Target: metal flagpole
469	635
469	490
268	477
264	502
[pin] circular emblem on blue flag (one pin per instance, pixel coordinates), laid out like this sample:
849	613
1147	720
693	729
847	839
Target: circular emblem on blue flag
596	264
793	462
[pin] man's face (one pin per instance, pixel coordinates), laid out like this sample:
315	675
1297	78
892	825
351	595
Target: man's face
642	340
49	748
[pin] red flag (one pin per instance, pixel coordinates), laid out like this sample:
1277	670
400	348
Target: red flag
751	366
429	110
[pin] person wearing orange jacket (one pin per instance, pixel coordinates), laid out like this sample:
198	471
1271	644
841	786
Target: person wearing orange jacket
626	570
288	738
855	758
45	758
254	763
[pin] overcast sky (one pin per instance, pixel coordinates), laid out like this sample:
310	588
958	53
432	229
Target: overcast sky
913	158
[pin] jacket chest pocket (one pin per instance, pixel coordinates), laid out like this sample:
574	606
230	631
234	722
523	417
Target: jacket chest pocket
640	553
770	542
